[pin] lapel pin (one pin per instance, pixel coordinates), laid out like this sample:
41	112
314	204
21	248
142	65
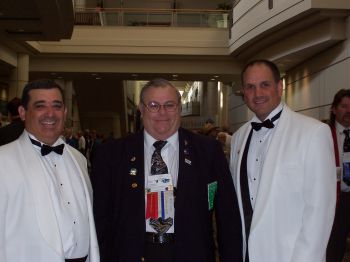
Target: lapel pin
133	172
188	161
134	185
133	159
186	152
186	143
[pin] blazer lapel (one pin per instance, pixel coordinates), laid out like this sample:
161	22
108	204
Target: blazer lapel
41	196
185	159
239	151
134	182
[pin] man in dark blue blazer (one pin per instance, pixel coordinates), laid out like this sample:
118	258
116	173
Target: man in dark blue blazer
138	219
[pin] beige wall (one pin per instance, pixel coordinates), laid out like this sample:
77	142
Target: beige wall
312	85
322	69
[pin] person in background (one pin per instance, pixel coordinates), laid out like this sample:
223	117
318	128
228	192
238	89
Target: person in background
45	193
70	138
186	173
340	126
13	130
81	142
283	168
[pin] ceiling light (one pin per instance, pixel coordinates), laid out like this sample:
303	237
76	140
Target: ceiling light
175	75
134	75
216	76
98	78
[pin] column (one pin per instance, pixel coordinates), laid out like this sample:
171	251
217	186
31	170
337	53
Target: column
19	76
68	101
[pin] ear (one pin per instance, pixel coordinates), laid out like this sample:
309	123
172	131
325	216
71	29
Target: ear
22	113
280	88
65	113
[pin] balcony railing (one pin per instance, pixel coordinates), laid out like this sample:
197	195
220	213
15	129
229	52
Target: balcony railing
152	17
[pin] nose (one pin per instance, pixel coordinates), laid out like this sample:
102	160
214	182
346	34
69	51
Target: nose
258	91
50	111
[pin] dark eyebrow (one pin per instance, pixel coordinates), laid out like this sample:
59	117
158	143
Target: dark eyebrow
39	102
57	102
43	102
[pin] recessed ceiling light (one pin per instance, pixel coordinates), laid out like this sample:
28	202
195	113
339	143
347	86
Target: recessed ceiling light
53	74
98	78
175	75
213	79
134	75
216	76
60	77
93	74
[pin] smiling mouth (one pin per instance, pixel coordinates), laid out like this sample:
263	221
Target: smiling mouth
260	101
48	123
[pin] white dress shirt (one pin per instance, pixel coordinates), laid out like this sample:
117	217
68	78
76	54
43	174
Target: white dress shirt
68	200
258	147
170	155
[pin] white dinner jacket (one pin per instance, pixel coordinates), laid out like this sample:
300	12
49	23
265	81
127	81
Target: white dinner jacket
28	226
296	198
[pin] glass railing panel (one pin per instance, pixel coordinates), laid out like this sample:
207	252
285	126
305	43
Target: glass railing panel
153	17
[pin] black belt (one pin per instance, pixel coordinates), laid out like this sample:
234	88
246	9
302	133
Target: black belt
160	238
80	259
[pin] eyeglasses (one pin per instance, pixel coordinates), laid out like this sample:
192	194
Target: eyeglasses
154	107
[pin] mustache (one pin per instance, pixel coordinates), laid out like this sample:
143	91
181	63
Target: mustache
48	119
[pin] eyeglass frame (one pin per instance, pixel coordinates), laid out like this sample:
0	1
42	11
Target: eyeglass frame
160	106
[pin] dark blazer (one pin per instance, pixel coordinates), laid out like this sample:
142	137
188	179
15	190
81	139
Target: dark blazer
119	201
11	132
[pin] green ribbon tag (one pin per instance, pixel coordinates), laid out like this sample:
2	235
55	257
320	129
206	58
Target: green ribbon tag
212	187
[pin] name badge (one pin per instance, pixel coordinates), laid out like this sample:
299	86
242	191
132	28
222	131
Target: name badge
346	167
158	183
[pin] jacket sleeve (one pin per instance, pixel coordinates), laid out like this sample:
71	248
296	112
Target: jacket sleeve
319	191
103	179
228	219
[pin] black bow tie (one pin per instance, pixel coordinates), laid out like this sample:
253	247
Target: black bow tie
267	123
46	149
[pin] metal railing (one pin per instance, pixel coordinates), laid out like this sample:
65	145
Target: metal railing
152	17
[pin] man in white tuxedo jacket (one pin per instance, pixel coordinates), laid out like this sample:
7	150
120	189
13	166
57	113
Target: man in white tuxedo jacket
284	173
45	193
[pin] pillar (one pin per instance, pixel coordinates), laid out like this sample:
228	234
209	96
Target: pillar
19	76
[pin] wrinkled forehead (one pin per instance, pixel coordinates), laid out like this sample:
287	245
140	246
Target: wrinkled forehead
48	95
161	94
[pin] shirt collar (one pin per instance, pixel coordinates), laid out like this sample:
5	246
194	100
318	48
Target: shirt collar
58	141
149	140
340	128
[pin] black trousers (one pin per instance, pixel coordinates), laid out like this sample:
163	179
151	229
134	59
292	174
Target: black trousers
159	252
341	228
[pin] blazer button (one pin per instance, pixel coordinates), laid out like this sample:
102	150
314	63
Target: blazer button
134	185
142	259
